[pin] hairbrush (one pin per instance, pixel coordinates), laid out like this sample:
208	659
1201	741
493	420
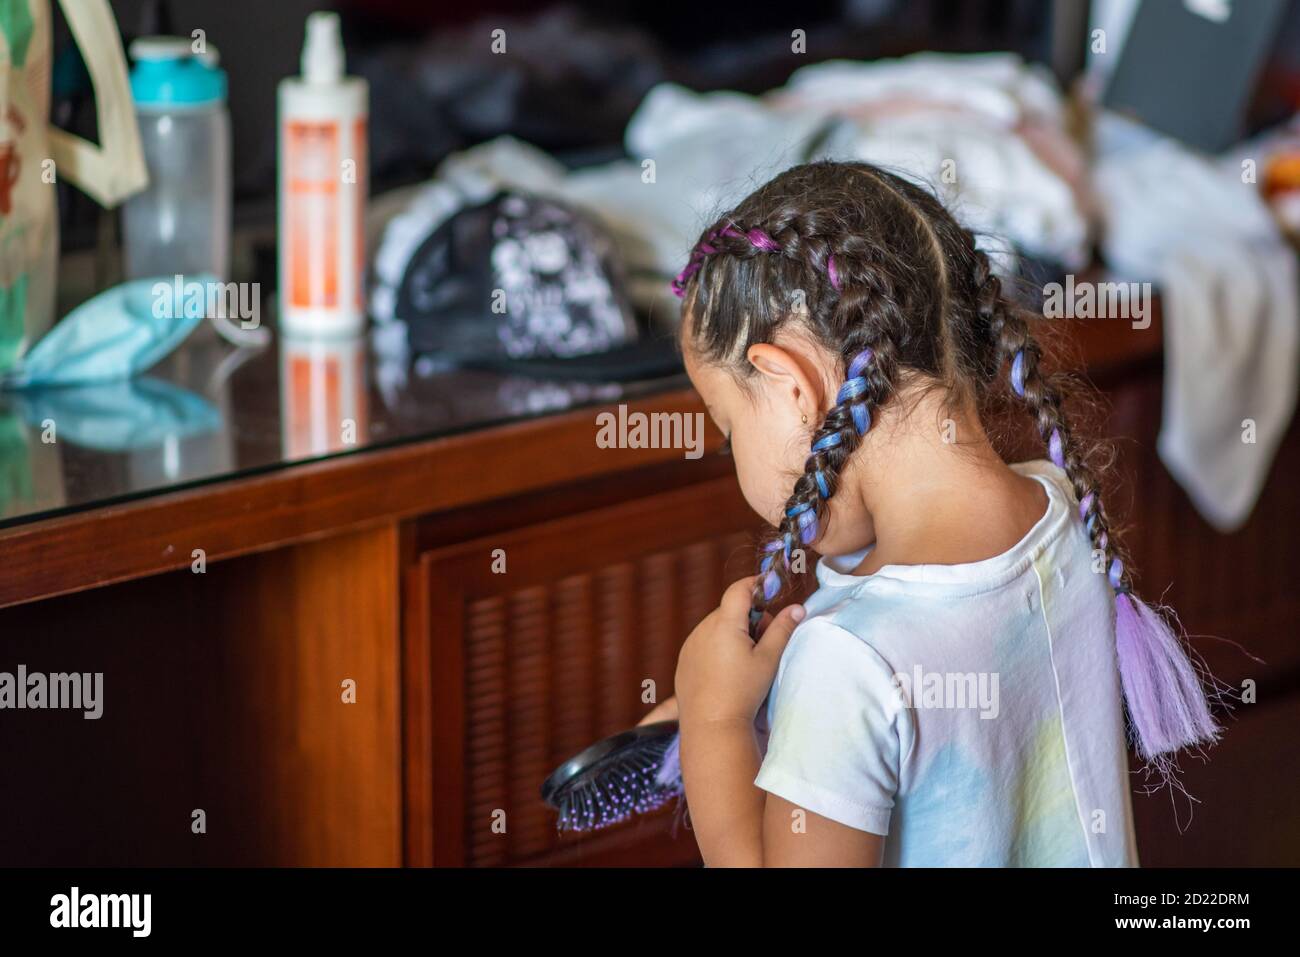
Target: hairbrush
629	773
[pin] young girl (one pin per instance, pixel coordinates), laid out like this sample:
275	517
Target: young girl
951	694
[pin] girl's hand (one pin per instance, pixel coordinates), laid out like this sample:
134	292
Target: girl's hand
721	674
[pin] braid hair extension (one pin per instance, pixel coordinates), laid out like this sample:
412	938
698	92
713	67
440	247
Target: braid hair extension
868	383
883	314
1021	354
1168	710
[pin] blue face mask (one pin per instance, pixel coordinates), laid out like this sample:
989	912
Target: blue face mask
117	334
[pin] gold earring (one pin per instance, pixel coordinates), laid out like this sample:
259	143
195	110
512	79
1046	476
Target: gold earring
803	419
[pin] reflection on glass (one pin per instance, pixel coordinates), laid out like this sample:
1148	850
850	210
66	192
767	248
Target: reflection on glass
16	479
122	416
143	423
322	396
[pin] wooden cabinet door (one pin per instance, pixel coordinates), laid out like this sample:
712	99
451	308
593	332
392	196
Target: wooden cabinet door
525	647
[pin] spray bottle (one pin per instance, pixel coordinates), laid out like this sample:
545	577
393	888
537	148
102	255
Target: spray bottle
322	190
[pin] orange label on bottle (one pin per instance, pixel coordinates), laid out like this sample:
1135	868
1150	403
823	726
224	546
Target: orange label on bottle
311	156
361	189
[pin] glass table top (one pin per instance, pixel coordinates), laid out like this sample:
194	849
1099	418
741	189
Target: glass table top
212	411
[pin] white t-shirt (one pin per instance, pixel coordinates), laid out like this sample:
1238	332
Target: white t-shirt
971	713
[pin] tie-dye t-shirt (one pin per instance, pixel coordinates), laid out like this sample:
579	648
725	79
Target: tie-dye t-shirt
970	713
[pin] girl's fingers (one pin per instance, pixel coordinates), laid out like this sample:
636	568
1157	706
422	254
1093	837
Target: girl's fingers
736	600
777	635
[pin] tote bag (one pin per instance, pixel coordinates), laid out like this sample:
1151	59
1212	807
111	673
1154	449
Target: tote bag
34	156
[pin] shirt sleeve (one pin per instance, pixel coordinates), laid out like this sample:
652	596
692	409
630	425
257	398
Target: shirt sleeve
834	744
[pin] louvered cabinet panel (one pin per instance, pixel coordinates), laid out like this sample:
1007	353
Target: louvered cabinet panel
527	667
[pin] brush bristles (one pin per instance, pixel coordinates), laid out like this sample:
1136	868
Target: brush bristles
623	786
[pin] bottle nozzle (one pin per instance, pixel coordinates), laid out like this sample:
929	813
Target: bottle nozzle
322	53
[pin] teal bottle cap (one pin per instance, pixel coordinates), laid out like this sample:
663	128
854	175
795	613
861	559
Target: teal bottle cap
168	72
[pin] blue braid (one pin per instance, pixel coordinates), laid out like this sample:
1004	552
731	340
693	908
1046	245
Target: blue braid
855	388
827	442
852	393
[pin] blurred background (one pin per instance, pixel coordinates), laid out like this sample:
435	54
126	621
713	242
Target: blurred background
577	72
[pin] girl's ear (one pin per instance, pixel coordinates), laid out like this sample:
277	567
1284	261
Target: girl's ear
792	379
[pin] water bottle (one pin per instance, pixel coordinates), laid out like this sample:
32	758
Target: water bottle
181	223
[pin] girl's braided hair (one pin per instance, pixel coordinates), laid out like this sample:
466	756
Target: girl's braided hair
882	275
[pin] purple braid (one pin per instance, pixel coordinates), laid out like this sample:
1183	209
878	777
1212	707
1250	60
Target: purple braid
1166	703
705	247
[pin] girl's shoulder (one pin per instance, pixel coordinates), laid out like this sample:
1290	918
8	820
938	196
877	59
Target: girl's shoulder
1054	478
829	656
863	628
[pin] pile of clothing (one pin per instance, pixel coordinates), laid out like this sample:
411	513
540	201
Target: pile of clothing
986	133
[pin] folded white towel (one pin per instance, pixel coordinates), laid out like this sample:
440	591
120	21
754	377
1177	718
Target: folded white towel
1231	309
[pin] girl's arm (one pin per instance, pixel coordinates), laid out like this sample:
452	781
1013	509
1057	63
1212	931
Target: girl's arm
739	825
722	679
720	760
793	837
